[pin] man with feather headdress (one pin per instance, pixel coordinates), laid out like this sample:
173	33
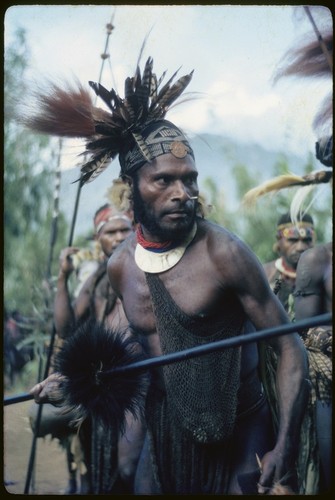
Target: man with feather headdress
313	58
292	240
184	282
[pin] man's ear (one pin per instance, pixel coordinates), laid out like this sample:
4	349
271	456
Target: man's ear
275	248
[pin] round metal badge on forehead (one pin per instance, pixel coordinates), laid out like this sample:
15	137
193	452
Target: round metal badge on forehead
178	149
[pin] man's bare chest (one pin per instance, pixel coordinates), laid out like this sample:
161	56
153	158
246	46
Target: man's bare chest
195	291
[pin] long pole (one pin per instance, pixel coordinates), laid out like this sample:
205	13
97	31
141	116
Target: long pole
47	368
319	37
55	212
104	56
219	345
53	238
175	357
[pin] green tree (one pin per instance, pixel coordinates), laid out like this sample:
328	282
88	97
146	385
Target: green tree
257	226
30	162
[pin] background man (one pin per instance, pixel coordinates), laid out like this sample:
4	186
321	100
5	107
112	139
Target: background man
96	296
97	299
292	241
311	57
313	296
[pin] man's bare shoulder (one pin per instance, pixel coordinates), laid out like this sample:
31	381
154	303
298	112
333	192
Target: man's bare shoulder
270	270
216	233
318	255
122	252
120	259
225	246
89	283
269	267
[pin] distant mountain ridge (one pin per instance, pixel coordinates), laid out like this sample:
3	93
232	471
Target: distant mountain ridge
215	155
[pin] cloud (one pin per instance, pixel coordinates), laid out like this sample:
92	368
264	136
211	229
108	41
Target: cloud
232	49
278	118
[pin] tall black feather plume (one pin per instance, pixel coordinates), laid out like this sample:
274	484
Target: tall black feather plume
70	112
88	390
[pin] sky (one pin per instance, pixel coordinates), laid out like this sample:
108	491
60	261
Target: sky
234	51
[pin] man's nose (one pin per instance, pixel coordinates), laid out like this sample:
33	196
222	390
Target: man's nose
180	191
301	246
120	235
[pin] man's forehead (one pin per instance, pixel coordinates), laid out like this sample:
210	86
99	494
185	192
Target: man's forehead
169	163
116	222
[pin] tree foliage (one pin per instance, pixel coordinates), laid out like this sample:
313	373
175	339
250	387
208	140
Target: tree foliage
257	227
29	168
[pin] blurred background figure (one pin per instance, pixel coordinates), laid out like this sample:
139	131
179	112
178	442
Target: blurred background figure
92	297
292	240
16	352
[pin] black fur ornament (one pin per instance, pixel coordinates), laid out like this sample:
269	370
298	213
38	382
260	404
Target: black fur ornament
90	389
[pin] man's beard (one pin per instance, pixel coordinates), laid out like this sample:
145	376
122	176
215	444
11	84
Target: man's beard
146	217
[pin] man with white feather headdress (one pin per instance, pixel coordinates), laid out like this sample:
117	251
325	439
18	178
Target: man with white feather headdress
313	58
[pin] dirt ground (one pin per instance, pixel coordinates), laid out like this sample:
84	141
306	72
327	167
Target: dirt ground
50	475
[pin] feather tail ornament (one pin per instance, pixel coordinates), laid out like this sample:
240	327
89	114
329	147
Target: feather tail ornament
308	58
285	181
91	170
65	112
87	389
275	184
312	57
160	106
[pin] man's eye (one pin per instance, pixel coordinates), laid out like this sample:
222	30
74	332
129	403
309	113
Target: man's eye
163	180
190	181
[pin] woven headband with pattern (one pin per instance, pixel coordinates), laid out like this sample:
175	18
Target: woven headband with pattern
159	138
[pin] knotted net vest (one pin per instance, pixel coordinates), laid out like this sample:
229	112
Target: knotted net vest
191	419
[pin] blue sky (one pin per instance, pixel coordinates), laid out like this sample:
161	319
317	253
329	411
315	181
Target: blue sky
233	50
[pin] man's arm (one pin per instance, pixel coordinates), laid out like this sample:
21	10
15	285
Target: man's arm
313	295
65	314
308	295
265	311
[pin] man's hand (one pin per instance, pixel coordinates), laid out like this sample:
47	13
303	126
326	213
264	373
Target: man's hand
48	391
276	470
65	262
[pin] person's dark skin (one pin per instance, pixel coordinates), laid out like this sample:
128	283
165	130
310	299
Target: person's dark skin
215	265
314	276
65	312
314	287
290	249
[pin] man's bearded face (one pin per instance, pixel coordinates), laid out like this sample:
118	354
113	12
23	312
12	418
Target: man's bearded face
161	197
